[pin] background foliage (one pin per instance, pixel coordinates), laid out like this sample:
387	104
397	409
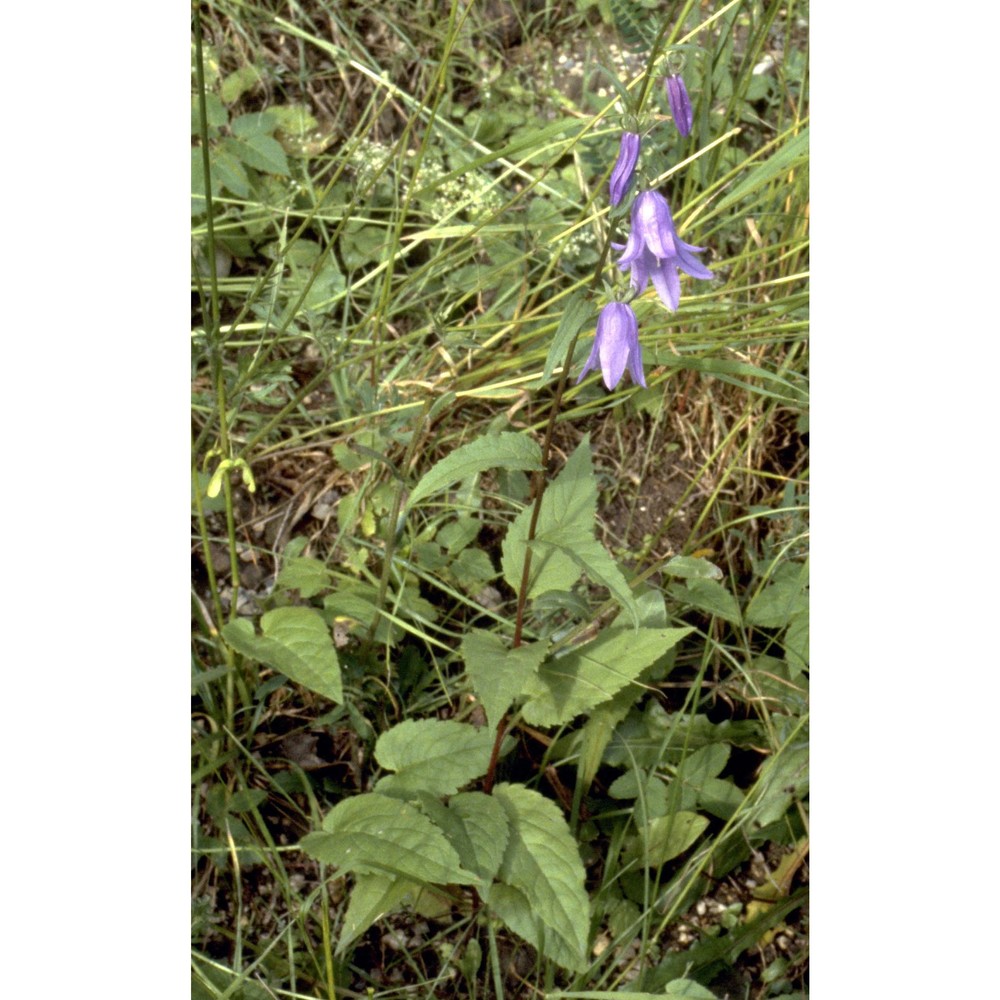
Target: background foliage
397	209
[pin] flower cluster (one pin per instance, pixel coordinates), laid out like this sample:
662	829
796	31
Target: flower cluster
653	253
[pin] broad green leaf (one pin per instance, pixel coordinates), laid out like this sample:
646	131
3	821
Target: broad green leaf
797	643
587	676
592	557
785	596
691	568
499	674
457	534
255	123
472	569
576	313
784	778
238	83
569	507
516	910
492	451
263	153
666	838
372	833
564	544
306	575
215	112
476	826
710	596
372	897
679	988
297	643
543	864
720	797
230	172
704	763
436	756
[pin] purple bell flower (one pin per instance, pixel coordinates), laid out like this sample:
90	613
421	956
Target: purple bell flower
621	176
654	251
680	104
616	346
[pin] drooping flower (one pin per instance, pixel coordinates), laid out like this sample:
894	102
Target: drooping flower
616	346
654	251
621	176
680	104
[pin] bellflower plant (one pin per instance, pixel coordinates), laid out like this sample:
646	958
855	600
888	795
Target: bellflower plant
624	171
680	104
654	251
616	345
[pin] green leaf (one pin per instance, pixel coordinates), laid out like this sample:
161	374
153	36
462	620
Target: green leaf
297	643
436	756
784	778
677	988
306	575
231	173
592	557
476	826
263	153
797	643
665	838
785	596
564	545
372	833
499	674
576	313
543	865
237	83
710	596
372	897
690	568
255	123
215	112
587	676
492	451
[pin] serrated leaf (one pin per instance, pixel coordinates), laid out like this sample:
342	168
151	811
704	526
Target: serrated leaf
297	643
492	451
255	123
372	897
262	152
231	173
476	826
595	560
543	864
499	674
666	837
569	507
372	834
306	575
584	678
710	596
774	606
435	756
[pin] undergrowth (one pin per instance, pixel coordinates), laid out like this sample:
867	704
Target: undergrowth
420	769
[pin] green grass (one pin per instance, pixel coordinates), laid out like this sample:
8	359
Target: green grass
403	203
